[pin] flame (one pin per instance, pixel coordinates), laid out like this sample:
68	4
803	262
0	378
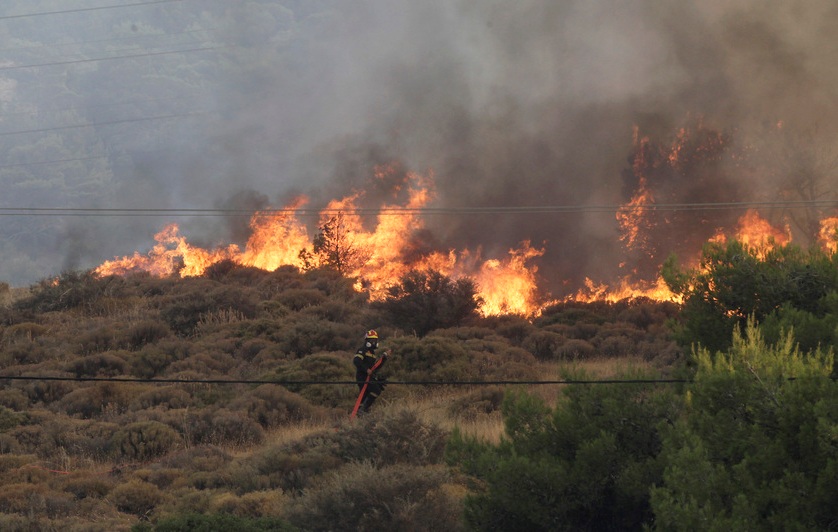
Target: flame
171	254
627	288
828	234
757	233
377	257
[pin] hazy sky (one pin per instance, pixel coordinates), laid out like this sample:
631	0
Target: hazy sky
525	103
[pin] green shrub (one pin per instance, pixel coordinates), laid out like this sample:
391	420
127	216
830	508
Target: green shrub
144	440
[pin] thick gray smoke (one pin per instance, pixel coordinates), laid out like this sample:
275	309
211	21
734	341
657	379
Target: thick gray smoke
508	104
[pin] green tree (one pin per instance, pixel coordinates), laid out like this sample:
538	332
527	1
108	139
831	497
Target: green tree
587	464
757	446
734	281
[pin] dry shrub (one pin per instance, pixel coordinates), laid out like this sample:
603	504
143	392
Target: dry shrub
272	406
388	438
8	445
14	398
87	485
616	346
362	497
321	367
305	335
96	341
14	461
266	503
47	391
145	332
136	497
297	299
26	332
23	352
221	427
197	458
184	500
99	365
575	349
90	401
482	401
9	418
144	440
544	345
290	468
170	397
194	298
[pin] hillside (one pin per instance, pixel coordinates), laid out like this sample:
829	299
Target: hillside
81	451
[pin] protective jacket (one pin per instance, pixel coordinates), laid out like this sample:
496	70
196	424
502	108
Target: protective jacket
364	360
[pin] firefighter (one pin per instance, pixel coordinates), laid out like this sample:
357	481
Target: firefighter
364	360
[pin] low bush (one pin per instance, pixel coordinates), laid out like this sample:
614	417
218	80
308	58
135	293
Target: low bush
576	349
144	440
213	523
272	406
145	332
99	365
136	497
363	497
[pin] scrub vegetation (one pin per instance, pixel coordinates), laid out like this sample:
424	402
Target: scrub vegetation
97	431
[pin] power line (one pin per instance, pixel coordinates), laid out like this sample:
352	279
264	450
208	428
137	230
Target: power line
340	383
155	36
389	211
85	9
96	124
115	57
355	382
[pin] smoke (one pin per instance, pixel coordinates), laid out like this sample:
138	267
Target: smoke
508	104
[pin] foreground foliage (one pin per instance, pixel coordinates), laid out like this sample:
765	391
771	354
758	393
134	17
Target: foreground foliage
750	444
757	446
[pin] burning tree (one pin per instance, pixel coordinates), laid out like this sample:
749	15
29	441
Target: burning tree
334	247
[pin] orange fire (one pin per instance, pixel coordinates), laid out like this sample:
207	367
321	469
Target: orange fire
627	288
377	257
756	232
828	234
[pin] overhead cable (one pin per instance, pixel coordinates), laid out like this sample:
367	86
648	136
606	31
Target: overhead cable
85	9
388	211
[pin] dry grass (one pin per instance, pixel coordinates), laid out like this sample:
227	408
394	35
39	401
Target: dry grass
10	295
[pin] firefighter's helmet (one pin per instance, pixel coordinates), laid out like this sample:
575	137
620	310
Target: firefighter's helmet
371	339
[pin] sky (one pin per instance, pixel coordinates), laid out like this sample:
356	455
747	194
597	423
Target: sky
506	104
